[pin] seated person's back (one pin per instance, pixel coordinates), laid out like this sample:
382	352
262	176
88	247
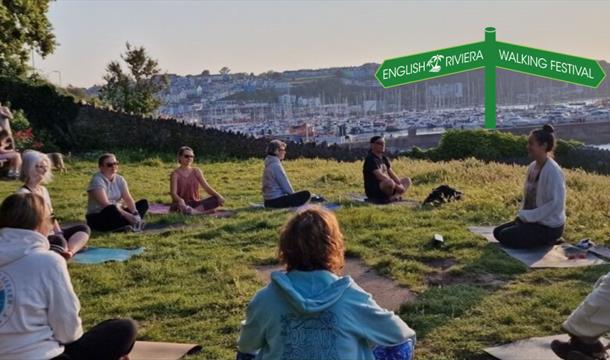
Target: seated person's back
309	312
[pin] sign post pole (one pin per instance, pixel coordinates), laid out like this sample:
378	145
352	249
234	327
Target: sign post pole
490	78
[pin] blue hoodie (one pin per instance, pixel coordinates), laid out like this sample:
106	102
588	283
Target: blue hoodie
317	315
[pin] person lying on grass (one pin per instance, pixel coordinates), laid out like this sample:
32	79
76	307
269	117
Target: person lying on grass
39	311
110	206
541	220
381	184
184	186
35	172
586	325
310	311
277	190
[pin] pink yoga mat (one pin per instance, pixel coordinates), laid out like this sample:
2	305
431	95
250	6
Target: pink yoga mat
161	209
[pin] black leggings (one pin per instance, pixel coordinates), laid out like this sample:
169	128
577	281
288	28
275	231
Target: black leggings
519	235
111	219
292	200
209	203
68	232
109	340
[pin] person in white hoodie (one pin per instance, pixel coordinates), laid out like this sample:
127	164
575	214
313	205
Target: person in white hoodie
542	216
277	190
39	311
586	325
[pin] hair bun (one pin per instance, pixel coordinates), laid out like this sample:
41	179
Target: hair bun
548	128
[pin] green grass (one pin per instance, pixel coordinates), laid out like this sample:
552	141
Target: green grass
192	285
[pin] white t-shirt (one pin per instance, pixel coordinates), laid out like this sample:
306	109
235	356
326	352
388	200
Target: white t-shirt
114	191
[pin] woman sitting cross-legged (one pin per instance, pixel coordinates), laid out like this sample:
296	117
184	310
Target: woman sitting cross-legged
184	186
541	220
277	190
310	311
36	171
110	206
39	311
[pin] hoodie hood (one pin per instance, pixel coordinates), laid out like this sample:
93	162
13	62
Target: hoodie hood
17	243
311	291
270	159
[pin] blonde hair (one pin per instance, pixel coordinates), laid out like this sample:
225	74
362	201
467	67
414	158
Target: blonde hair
30	159
22	211
312	240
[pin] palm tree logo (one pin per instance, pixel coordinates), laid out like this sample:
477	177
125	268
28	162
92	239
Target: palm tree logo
434	63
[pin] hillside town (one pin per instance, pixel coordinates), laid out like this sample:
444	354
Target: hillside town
347	104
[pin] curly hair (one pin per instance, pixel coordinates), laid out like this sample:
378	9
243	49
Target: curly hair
312	240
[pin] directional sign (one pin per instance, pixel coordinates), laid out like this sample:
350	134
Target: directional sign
548	64
430	65
490	54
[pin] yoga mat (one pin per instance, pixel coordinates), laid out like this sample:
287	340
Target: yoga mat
328	206
538	348
363	199
148	350
162	209
544	257
94	255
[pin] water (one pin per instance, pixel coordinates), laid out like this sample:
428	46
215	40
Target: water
604	147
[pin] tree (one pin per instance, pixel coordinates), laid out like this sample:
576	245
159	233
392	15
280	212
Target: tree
25	27
205	73
224	71
136	90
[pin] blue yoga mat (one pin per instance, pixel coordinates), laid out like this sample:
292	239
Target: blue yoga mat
95	255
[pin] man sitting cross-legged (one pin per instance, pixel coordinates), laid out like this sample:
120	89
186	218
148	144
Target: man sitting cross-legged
586	325
381	184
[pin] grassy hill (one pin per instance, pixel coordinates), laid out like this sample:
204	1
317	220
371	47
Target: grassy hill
193	284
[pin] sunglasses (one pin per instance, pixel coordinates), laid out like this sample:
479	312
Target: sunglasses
379	143
112	164
189	156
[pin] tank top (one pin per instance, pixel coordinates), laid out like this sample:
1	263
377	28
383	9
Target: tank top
188	186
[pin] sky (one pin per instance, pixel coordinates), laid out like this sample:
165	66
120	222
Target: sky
187	37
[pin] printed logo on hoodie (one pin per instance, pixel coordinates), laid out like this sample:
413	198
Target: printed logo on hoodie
311	337
7	297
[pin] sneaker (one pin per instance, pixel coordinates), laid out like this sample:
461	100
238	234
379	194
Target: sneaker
585	244
188	210
139	226
12	175
575	349
317	199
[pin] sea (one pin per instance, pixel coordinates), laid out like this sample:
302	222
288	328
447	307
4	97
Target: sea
604	147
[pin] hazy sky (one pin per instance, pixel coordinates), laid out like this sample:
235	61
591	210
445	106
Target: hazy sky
255	36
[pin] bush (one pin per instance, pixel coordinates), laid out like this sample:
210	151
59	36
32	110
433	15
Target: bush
20	121
481	144
484	145
43	107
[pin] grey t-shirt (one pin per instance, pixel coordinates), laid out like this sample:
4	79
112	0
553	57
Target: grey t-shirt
114	190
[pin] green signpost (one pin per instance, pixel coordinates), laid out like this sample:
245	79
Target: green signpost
490	54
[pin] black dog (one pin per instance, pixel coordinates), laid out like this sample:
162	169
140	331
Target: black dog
443	194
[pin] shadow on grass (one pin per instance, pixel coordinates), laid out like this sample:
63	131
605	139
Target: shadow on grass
451	293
